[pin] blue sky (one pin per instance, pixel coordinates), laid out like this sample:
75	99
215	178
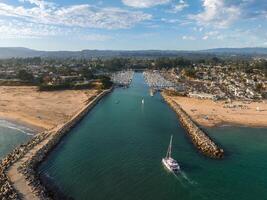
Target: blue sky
133	24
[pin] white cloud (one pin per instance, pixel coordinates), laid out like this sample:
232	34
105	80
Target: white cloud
96	37
217	13
170	21
200	29
179	7
215	35
39	3
144	36
17	29
185	37
83	15
144	3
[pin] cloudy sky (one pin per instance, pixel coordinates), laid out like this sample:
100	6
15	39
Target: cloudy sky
133	24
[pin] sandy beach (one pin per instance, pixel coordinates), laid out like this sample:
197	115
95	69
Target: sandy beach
21	174
209	113
41	110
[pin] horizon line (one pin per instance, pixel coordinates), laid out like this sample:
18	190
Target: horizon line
259	47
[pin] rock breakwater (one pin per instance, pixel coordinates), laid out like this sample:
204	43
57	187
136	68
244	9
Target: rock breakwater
7	191
200	139
24	160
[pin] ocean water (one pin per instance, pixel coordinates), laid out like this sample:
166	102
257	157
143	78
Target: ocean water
115	153
11	135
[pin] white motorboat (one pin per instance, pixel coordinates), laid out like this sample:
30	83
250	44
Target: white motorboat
171	164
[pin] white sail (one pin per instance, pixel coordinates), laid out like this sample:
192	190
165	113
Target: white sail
169	152
168	161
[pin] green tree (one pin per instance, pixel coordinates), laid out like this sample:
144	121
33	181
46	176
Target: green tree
87	73
25	76
106	82
190	72
215	60
259	87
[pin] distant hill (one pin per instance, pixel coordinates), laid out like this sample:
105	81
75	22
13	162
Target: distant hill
238	51
20	52
9	52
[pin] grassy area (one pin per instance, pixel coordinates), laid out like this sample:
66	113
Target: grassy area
16	83
96	84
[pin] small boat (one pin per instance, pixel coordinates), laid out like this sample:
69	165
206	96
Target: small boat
143	101
171	164
151	92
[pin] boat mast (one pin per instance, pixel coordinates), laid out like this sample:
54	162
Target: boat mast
169	152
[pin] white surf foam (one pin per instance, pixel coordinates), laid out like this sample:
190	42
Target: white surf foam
20	128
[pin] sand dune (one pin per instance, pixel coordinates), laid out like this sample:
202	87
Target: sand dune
41	110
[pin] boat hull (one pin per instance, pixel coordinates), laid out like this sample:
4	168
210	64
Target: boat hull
167	166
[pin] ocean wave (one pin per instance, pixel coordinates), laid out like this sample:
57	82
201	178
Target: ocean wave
20	128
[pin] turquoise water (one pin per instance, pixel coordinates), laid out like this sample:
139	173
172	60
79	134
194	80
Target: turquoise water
11	136
115	153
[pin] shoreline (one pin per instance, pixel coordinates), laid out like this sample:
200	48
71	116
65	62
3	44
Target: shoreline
231	124
20	173
228	124
22	126
210	114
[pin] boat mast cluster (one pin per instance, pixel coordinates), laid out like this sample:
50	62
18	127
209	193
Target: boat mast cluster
156	81
122	78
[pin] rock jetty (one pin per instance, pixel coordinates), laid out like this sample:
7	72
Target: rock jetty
25	159
198	137
7	191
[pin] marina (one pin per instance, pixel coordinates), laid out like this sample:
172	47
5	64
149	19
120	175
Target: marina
133	100
122	78
156	81
116	159
124	161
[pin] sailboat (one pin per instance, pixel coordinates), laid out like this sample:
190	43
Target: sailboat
143	101
151	92
171	164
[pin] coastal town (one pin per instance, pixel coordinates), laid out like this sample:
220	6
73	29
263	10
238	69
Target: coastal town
205	81
202	95
221	82
133	99
230	87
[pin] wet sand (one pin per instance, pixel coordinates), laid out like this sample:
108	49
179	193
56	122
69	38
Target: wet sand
210	113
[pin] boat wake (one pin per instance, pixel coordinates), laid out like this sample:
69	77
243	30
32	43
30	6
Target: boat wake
184	179
22	129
